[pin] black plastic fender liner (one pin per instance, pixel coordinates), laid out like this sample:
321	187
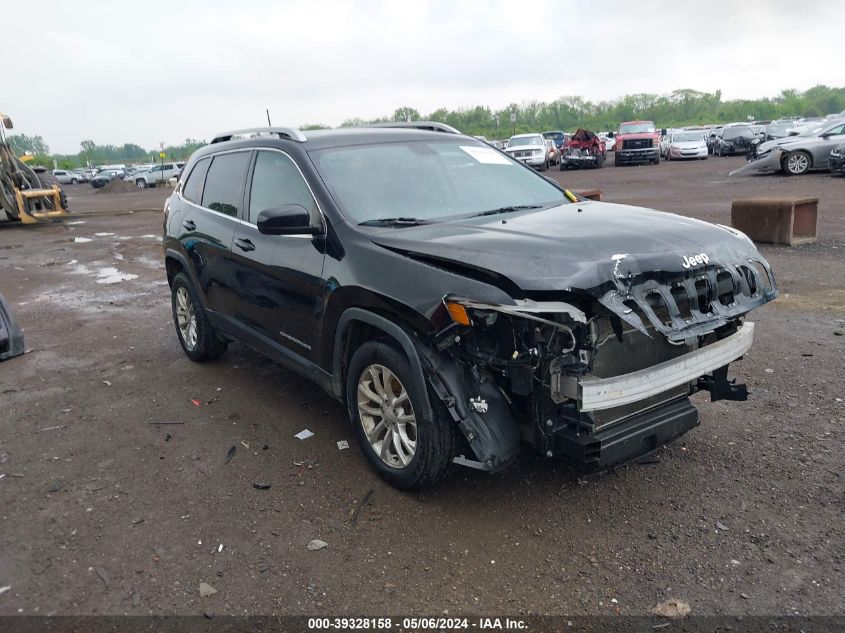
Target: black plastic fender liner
493	435
486	422
11	337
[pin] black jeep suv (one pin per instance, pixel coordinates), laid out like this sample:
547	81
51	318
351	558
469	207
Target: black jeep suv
461	305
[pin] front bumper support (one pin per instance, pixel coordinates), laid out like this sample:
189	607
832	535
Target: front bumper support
593	394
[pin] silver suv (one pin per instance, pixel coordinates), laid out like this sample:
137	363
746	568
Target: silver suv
157	175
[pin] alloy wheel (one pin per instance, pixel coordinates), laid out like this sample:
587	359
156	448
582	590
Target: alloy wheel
186	318
387	416
797	163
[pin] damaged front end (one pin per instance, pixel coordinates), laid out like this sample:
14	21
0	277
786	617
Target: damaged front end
769	161
599	375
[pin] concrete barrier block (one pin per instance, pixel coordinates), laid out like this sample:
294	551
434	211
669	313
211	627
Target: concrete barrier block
592	194
789	221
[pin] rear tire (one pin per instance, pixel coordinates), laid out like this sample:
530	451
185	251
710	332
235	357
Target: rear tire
381	387
198	338
599	161
545	165
616	161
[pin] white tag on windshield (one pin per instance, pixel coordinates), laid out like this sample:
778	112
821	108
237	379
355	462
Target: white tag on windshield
486	155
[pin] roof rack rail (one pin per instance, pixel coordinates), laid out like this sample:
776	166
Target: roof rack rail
291	133
431	126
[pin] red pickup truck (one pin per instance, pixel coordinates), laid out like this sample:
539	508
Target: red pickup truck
637	142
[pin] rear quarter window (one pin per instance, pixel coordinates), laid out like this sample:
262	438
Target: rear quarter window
192	189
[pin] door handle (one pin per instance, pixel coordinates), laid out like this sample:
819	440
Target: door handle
189	224
244	245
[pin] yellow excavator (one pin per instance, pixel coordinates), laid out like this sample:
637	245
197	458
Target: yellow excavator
23	197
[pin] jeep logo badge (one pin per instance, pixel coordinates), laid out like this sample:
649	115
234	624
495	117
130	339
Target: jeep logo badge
694	260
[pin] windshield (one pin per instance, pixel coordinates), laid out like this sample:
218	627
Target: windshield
428	180
738	132
637	128
687	136
526	140
555	136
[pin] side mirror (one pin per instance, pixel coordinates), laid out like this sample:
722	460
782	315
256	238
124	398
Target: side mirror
289	219
663	131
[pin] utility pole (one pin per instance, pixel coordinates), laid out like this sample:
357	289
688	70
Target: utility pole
161	156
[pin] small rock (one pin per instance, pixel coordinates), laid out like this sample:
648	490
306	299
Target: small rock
672	608
838	333
206	590
136	599
261	486
722	526
316	544
744	596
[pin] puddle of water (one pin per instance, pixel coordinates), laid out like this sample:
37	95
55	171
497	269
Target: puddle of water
72	262
150	262
75	222
81	240
103	234
113	275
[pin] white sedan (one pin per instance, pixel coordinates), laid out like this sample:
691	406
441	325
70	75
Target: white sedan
682	144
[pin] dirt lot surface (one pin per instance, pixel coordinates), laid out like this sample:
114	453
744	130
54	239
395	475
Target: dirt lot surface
115	497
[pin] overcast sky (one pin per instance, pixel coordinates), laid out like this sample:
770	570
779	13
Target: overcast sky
147	71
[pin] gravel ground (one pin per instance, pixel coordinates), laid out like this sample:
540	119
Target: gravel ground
116	497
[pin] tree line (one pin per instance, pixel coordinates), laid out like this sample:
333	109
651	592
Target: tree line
90	153
680	107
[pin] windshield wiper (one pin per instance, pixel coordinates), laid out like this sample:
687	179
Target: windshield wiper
516	207
393	222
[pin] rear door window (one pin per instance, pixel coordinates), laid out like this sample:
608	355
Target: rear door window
192	190
224	184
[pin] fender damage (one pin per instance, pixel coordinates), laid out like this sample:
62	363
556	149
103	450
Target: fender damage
598	350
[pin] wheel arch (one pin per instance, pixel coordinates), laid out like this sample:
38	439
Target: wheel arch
358	325
175	263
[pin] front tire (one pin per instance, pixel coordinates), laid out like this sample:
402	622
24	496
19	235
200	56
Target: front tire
141	183
74	181
198	338
390	410
797	163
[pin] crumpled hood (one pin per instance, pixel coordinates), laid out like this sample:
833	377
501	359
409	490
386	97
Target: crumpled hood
610	252
572	246
779	142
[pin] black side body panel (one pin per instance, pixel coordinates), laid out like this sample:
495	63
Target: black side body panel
11	337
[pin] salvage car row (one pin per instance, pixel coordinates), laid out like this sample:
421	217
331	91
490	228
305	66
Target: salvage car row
812	147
